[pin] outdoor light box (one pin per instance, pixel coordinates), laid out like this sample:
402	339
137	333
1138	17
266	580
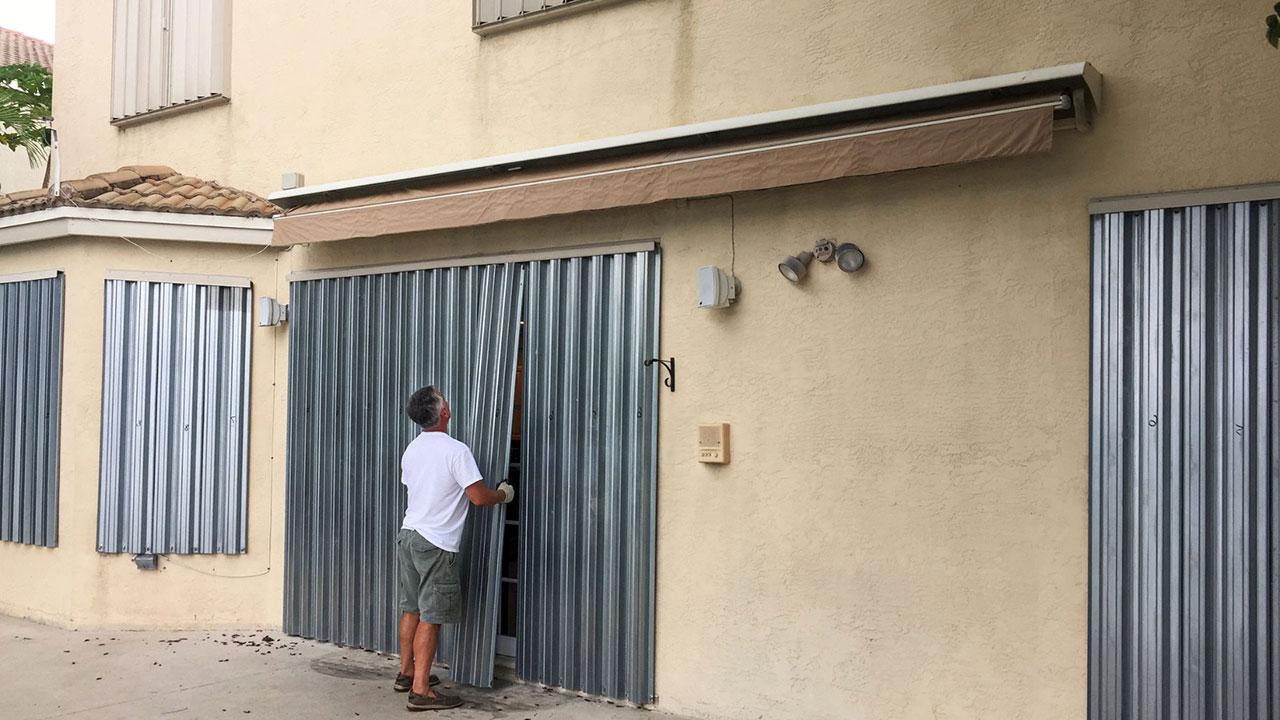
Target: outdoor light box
716	289
271	312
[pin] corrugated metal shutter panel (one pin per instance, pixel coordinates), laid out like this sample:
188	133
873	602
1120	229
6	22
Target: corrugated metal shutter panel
175	418
1185	455
30	388
487	11
167	52
358	348
588	476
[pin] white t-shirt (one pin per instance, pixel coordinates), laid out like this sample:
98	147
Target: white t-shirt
436	468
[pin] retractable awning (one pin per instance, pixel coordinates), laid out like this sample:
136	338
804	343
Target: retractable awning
976	120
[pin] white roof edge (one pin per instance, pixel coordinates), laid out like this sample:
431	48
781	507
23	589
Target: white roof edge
1081	73
52	223
135	216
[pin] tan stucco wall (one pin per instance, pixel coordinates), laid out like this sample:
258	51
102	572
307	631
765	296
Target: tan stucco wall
16	172
74	585
903	526
903	530
336	92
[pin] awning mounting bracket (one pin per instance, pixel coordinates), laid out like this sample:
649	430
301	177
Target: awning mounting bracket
1078	104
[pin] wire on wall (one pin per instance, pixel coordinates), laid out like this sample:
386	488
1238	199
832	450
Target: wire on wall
733	238
134	243
271	483
169	558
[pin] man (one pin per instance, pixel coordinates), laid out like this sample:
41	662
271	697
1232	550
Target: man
443	480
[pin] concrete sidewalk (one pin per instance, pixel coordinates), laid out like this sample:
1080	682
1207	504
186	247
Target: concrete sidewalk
48	672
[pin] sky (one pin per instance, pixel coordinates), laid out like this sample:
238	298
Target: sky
32	17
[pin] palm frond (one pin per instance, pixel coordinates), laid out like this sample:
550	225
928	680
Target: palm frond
26	93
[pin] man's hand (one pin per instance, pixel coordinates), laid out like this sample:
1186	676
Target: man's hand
508	492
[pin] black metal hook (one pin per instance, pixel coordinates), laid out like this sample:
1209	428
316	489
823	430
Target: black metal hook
670	365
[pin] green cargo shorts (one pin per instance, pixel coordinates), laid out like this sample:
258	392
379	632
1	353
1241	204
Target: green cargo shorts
428	579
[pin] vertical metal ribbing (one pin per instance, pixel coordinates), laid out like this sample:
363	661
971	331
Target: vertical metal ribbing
1195	479
647	455
1183	466
490	333
358	348
1270	226
174	455
488	11
30	391
589	476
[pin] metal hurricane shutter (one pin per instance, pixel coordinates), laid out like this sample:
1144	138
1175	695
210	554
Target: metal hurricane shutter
588	476
175	418
359	346
1185	516
30	389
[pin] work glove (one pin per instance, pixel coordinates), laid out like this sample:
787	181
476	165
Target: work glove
508	492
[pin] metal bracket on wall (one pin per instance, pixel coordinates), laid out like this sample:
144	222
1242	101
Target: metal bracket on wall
670	365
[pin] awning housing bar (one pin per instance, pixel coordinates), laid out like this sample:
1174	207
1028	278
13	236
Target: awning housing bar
1080	81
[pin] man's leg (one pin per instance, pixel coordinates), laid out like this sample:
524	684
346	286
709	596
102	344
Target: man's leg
424	653
408	628
410	584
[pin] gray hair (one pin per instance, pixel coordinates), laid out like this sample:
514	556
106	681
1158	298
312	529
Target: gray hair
425	407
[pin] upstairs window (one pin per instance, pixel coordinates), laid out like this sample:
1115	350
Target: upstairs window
492	14
168	54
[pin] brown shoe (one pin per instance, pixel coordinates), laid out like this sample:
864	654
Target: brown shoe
404	683
441	701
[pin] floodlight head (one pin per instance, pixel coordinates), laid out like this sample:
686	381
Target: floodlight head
849	258
794	267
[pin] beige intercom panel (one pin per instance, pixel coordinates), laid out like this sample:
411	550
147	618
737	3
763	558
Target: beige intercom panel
713	443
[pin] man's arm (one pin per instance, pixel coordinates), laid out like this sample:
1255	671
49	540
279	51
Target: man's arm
481	496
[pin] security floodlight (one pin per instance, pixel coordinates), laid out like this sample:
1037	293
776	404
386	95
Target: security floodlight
794	267
849	257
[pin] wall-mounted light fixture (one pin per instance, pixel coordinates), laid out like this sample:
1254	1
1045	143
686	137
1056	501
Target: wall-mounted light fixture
824	251
849	258
716	288
271	313
292	181
796	266
846	255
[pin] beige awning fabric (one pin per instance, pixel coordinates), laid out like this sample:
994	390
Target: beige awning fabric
796	158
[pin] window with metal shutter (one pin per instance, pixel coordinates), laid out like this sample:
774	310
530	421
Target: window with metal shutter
30	386
175	417
167	53
489	12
